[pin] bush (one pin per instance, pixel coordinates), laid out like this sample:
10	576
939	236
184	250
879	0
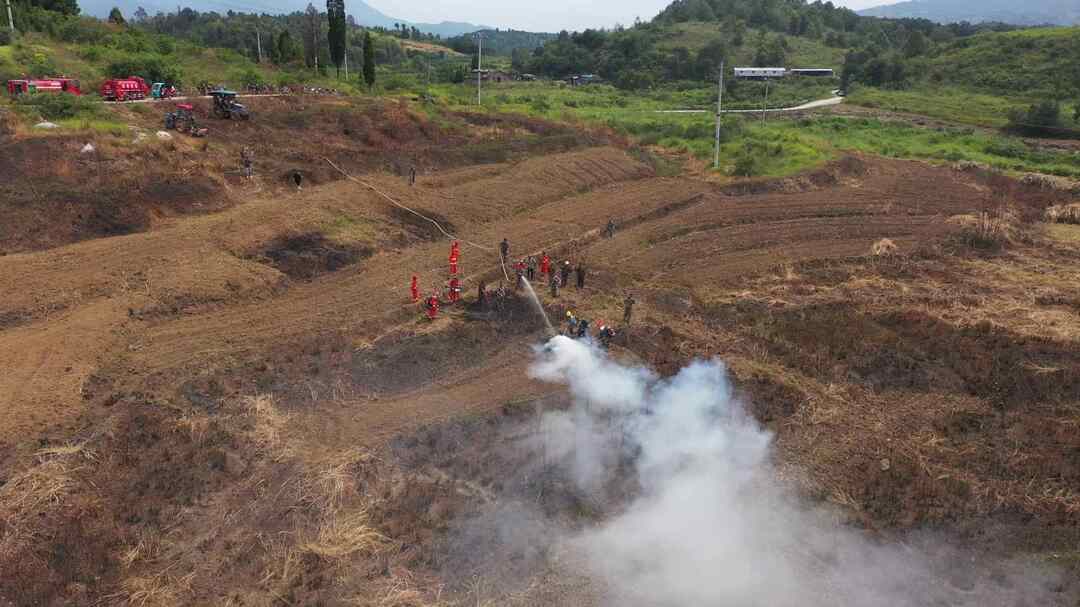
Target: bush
540	104
1043	118
60	106
6	37
36	60
83	30
1007	148
746	162
251	78
150	66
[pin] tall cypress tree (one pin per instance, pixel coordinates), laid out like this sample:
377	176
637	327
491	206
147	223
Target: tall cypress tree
369	60
335	14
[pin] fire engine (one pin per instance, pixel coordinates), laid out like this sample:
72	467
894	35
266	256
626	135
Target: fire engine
43	85
124	89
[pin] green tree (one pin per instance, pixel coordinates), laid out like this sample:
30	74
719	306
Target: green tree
287	50
709	58
312	36
770	51
115	16
335	15
916	45
369	60
64	7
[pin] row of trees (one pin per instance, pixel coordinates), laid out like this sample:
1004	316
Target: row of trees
318	39
637	57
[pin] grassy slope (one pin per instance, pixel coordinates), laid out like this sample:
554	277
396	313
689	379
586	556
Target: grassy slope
945	103
978	80
802	143
1034	63
804	52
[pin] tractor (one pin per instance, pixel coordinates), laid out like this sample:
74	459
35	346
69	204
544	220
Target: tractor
183	121
226	106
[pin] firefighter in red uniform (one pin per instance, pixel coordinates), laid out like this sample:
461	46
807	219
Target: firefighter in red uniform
415	289
519	271
433	306
455	254
455	289
545	264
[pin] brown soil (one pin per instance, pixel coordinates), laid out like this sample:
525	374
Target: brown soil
143	462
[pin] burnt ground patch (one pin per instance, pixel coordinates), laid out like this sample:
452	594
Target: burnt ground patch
309	255
421	228
911	350
405	361
186	195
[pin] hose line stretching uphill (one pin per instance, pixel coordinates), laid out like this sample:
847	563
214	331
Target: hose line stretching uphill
437	225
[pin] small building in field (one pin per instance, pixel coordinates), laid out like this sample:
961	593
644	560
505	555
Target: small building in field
818	72
494	76
759	73
583	79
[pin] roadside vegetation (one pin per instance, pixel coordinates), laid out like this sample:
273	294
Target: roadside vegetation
979	79
778	146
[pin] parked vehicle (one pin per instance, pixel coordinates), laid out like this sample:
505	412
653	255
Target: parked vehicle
43	85
124	89
161	90
226	106
183	120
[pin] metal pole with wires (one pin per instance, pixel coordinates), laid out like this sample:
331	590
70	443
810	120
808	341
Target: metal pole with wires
719	113
479	69
765	104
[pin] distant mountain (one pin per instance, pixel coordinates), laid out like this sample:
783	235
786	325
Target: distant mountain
1027	12
361	11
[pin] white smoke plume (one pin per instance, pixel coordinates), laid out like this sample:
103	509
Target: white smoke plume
712	525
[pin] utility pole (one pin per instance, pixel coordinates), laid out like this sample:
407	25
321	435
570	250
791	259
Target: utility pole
10	20
719	112
479	71
258	42
765	104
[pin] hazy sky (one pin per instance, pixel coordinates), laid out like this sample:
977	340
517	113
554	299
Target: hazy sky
541	15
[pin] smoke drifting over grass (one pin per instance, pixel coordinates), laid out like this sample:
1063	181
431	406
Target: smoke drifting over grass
712	524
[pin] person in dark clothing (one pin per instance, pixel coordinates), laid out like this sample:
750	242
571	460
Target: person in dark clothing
609	229
530	268
504	250
628	308
582	328
412	175
605	336
247	159
580	270
554	283
298	179
564	272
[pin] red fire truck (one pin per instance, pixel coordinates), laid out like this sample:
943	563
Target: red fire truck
43	85
124	89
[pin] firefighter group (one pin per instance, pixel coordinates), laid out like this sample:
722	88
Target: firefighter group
555	274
